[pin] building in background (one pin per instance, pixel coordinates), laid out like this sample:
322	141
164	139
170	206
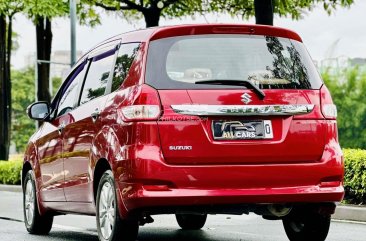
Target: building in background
341	62
59	56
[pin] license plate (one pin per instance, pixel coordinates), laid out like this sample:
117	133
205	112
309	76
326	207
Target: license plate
242	130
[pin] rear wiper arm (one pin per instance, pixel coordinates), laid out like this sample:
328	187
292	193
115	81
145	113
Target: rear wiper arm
245	83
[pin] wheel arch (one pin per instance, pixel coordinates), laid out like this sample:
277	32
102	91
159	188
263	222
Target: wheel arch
26	168
101	166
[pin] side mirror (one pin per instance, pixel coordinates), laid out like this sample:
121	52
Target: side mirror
38	110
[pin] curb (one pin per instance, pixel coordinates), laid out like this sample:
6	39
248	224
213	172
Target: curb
342	212
10	188
350	213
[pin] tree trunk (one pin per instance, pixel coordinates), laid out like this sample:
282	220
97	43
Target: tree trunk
4	93
152	16
263	12
44	44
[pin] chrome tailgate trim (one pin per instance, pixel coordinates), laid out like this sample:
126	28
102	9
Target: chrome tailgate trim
240	110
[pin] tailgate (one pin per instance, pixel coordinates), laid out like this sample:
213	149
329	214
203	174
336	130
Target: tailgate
210	127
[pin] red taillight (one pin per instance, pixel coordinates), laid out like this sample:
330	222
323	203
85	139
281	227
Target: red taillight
329	110
146	107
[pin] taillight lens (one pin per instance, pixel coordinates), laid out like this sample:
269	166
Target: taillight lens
145	107
141	112
329	109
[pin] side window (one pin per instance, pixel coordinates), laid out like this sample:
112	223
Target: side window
97	77
70	93
126	55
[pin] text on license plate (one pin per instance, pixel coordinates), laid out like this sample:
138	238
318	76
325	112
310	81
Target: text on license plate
242	129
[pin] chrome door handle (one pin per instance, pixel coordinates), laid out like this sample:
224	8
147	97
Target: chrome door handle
61	127
95	114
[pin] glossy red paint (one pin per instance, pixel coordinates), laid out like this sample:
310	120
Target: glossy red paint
181	30
205	150
302	163
78	143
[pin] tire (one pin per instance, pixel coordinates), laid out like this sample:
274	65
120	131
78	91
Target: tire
305	227
110	226
191	221
34	222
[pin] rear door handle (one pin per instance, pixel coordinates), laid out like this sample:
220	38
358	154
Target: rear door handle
95	114
61	127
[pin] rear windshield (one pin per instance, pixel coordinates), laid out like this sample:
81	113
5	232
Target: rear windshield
269	62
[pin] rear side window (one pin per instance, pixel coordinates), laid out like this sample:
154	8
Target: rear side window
269	62
126	55
97	77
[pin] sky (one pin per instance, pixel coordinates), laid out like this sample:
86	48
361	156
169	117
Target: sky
341	34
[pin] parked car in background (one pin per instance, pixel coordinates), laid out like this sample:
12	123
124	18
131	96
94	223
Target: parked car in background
188	120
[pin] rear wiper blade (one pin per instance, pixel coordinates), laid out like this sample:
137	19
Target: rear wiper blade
245	83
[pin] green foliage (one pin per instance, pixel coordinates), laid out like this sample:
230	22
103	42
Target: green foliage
292	8
87	14
133	9
348	88
355	176
10	7
243	8
10	172
22	96
45	8
296	8
34	9
56	83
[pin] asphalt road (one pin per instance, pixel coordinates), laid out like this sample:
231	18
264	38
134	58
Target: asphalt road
217	228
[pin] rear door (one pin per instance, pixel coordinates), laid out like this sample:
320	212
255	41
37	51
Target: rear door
85	123
219	123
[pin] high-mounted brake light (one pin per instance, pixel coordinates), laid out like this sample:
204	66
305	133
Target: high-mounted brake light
329	109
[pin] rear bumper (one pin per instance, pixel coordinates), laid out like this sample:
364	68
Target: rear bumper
145	180
135	196
190	186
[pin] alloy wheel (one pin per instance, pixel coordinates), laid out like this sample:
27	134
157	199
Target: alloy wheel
106	210
29	202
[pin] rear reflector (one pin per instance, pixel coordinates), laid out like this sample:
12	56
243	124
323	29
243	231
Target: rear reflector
156	188
330	184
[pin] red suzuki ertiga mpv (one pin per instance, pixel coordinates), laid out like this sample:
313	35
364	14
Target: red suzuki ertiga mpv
187	120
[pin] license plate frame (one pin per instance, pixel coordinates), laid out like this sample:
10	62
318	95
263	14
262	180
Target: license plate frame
242	129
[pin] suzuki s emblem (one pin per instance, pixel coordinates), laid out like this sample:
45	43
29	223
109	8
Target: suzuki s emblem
246	98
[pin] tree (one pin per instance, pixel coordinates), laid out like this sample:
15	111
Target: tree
42	12
348	88
23	93
153	10
264	10
7	11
